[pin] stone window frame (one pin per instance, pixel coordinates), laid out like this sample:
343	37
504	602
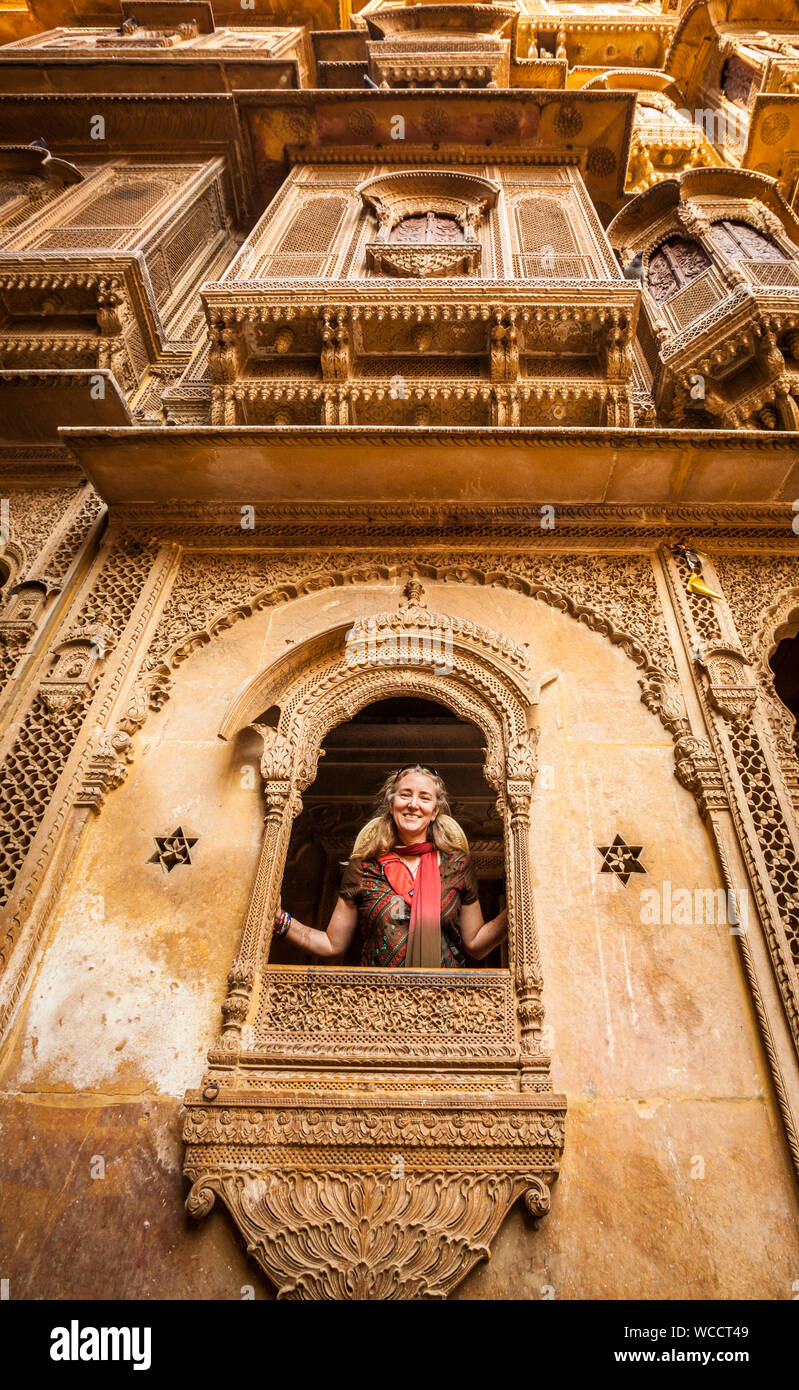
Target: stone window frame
316	689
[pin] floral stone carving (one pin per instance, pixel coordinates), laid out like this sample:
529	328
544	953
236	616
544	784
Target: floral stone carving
394	1200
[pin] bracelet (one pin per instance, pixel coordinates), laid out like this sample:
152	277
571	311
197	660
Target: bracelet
283	923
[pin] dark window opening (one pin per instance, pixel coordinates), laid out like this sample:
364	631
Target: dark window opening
737	80
785	664
358	756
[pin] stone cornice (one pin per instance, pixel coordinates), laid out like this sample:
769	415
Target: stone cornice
563	437
200	526
655	468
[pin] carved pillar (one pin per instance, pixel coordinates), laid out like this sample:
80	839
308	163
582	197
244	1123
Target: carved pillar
738	785
525	960
281	807
524	955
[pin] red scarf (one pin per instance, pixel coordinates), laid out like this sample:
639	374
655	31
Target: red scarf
423	894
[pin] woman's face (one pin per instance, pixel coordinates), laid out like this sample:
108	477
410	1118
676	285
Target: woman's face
414	805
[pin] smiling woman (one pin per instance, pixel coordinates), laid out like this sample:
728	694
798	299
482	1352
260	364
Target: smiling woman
409	886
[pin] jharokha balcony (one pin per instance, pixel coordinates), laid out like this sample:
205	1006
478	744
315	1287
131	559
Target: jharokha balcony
389	322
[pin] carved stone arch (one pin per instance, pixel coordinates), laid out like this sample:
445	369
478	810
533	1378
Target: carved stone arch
22	605
306	1175
313	710
780	620
405	192
332	687
155	680
13	560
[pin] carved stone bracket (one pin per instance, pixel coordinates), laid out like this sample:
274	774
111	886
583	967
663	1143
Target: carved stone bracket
391	1200
697	769
107	768
730	689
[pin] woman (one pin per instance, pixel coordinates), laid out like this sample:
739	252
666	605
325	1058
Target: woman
409	886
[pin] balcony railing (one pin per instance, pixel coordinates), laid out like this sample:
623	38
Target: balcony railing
553	267
692	302
774	275
283	265
710	289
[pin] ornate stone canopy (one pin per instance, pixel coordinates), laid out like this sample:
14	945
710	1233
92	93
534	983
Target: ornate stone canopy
404	192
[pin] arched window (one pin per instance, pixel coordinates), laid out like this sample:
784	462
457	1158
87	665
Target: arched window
427	227
742	242
674	265
393	732
4	573
784	662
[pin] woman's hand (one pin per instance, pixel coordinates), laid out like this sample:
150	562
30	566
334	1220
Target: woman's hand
479	938
328	944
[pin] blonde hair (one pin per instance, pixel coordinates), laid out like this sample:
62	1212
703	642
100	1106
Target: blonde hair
380	833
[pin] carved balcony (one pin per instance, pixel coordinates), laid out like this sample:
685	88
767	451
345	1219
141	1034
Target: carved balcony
368	1129
719	255
437	62
63	311
428	351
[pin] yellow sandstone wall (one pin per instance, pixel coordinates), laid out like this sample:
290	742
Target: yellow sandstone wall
653	1037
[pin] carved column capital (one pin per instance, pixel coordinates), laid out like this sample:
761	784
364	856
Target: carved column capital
697	769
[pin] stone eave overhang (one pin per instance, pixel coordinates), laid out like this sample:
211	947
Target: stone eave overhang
330	466
258	127
54	73
283	14
446	120
34	402
138	125
777	159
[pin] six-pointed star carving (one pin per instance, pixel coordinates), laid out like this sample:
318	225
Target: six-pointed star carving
173	849
621	859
